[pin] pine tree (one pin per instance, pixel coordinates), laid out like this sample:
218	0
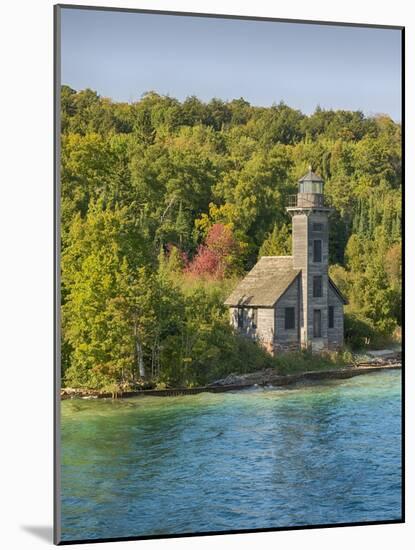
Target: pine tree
277	243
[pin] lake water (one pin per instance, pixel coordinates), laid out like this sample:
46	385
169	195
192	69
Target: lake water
317	454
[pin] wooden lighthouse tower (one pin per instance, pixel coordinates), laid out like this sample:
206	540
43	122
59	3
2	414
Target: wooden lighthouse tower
310	235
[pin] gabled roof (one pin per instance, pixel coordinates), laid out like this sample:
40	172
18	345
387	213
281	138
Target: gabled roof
337	291
265	283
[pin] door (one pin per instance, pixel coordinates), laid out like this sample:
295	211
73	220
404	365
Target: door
317	323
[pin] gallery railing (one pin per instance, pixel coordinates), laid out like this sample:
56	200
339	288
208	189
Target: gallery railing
305	200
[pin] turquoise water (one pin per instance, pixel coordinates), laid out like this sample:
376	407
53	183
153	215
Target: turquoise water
320	454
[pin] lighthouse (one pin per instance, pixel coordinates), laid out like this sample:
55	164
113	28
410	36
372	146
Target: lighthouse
289	303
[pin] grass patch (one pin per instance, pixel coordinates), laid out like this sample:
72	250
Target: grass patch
305	361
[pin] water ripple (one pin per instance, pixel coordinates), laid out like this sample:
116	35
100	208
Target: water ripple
325	453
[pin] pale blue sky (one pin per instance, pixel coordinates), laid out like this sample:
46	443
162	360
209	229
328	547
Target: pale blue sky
122	55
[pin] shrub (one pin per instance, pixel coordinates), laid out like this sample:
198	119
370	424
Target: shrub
359	331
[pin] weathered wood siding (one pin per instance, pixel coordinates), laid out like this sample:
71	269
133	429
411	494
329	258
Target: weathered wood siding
288	339
336	334
300	261
314	269
304	235
248	328
265	327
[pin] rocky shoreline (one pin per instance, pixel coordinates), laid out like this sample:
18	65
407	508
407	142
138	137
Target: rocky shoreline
268	377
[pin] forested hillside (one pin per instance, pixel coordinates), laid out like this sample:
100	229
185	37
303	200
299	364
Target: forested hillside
165	204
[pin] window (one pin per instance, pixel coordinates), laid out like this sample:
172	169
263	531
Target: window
317	323
255	317
311	187
240	317
331	316
289	318
317	286
318	227
317	251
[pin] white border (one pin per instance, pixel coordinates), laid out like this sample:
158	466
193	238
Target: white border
27	256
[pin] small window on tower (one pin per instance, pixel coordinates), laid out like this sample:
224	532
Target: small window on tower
317	286
317	246
318	227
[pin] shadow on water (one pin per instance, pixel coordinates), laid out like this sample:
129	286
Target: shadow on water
43	532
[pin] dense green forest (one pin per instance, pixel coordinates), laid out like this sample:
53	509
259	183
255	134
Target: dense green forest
165	204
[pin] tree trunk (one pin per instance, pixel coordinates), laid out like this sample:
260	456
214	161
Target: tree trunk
139	350
140	361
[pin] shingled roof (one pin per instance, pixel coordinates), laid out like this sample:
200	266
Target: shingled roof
310	176
265	283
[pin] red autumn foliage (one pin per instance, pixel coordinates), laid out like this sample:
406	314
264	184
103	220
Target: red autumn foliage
220	239
212	257
206	262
